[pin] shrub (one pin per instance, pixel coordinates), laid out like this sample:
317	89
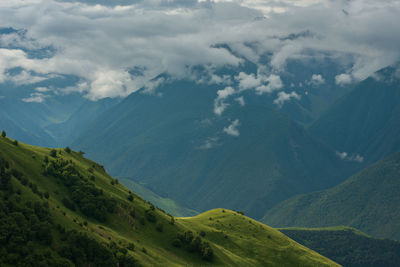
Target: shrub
15	142
67	149
132	213
177	243
68	204
151	216
206	252
3	133
53	153
131	247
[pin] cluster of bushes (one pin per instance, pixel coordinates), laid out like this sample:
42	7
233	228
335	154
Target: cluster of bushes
28	234
90	200
194	244
85	251
27	239
5	175
24	226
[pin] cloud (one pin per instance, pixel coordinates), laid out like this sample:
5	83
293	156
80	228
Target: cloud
232	129
261	83
316	80
347	157
35	97
274	83
101	43
284	97
219	103
42	89
248	81
211	142
241	101
343	79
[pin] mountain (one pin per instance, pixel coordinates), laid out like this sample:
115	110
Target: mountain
248	158
369	201
45	113
66	131
366	121
60	209
348	246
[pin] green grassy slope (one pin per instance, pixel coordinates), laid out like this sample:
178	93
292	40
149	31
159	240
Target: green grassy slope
368	201
348	246
106	225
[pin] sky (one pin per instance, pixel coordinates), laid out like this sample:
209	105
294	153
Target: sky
117	47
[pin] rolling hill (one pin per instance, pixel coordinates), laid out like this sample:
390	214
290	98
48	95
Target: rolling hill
369	201
366	121
60	209
249	158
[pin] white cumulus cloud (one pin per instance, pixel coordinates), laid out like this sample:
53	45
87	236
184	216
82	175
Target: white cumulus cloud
219	103
284	97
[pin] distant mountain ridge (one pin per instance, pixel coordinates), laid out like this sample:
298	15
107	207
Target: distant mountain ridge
348	246
369	201
366	121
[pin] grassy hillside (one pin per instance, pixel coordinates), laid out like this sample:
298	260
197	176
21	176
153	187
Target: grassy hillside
348	246
368	201
366	121
60	209
181	151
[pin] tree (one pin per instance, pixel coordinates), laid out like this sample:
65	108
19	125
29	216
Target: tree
3	134
53	153
67	149
206	252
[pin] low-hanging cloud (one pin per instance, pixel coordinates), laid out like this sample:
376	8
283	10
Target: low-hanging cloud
347	157
101	44
343	79
232	129
285	97
219	103
316	80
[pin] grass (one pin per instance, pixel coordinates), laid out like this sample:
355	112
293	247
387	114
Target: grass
235	239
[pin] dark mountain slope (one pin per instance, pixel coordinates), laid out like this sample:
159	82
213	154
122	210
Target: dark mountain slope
368	201
366	121
177	146
348	246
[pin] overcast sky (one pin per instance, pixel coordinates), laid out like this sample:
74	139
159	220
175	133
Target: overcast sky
100	43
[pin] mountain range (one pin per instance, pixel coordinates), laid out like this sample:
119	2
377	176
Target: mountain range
248	158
